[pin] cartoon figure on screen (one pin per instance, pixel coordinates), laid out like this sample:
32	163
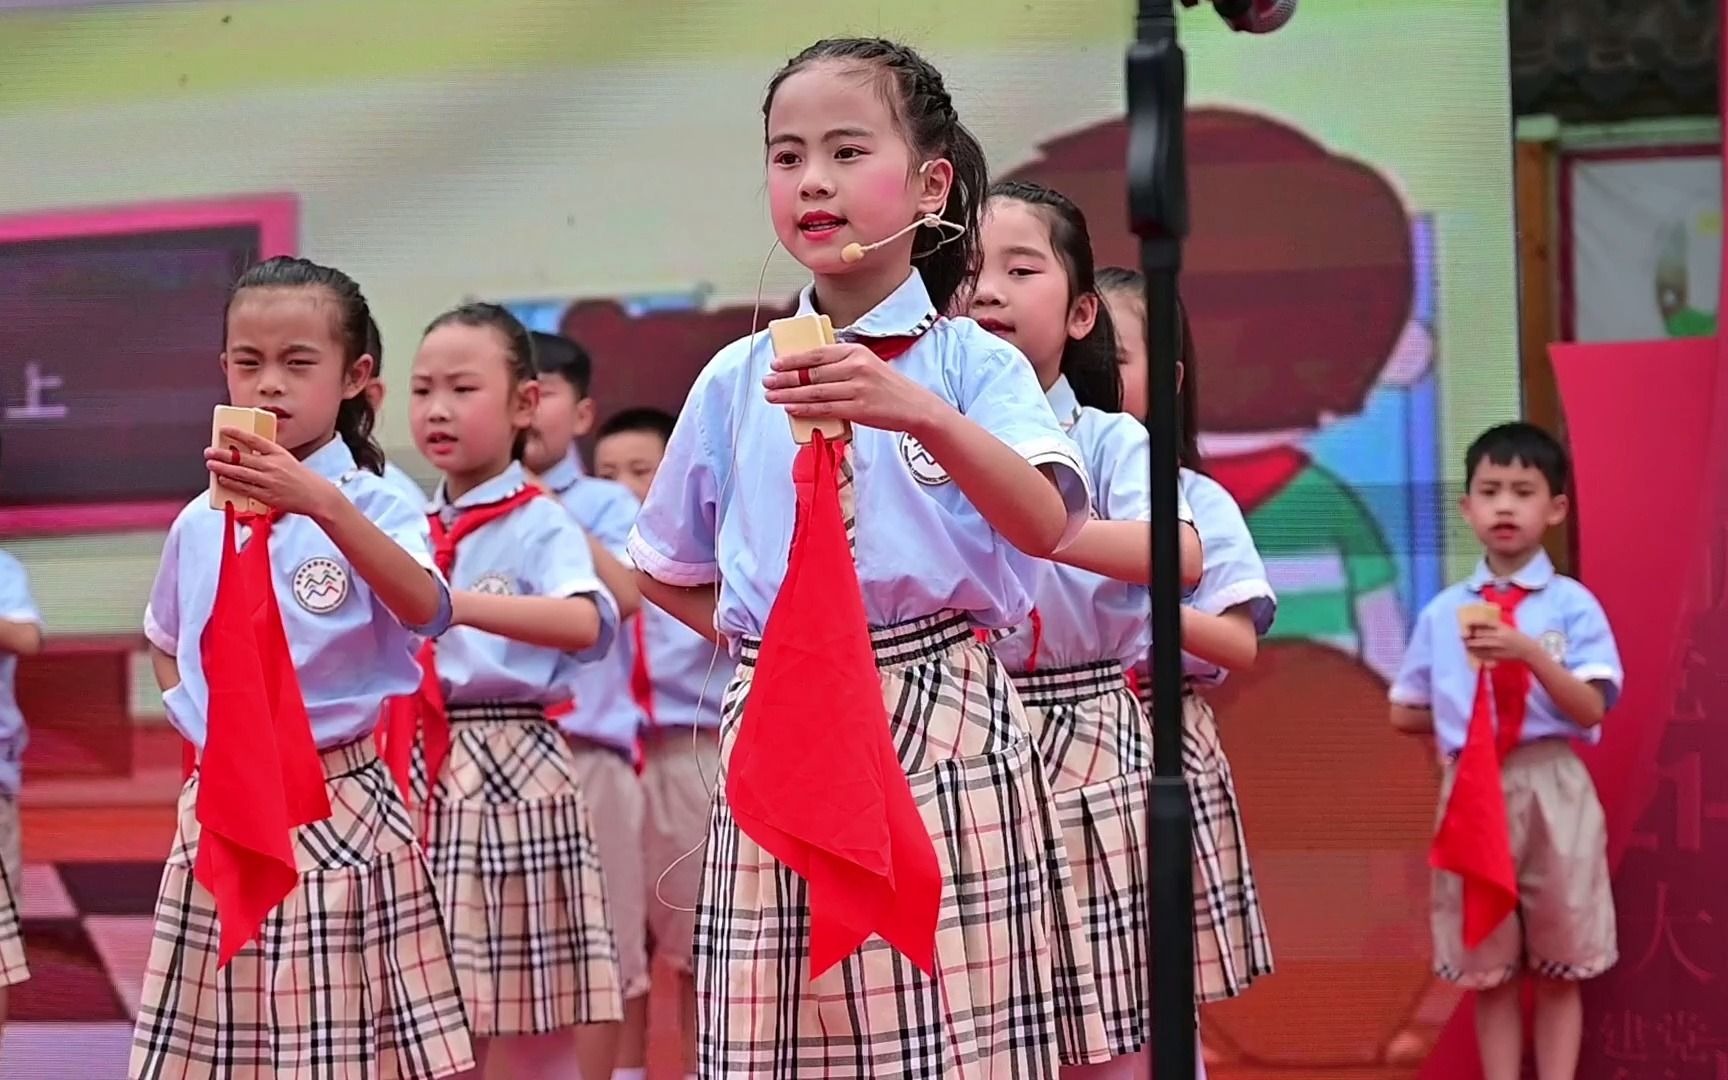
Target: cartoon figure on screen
297	929
508	832
1299	362
1508	670
931	479
1091	617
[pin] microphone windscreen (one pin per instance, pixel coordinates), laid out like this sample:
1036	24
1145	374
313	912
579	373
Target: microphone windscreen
852	252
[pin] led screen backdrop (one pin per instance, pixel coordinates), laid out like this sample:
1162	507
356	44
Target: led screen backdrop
598	165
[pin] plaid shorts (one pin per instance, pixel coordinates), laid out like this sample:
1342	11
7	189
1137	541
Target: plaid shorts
1008	996
350	978
512	852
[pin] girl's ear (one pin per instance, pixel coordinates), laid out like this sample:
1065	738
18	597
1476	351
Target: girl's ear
935	180
1083	316
358	376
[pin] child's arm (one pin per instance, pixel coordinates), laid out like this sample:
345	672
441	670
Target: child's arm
619	579
1580	701
1411	720
1411	693
1020	500
693	606
566	623
20	638
1228	640
274	477
1123	550
165	667
1017	498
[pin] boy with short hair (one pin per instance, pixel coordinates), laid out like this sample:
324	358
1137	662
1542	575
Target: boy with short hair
604	724
686	675
1508	669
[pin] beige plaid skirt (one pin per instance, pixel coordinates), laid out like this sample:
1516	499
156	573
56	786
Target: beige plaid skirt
350	978
1008	995
518	875
13	969
1097	755
1231	945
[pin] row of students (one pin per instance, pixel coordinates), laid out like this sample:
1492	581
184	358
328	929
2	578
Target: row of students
978	826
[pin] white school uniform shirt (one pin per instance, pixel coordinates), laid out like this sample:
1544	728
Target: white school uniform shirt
688	673
1559	612
18	606
1085	617
404	483
722	505
535	550
605	710
1232	571
349	650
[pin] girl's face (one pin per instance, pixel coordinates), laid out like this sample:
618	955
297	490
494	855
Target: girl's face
284	354
1129	315
840	170
1023	287
465	410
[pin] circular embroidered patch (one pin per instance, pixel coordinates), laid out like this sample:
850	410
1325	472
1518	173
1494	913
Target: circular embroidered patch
924	467
1554	644
320	585
494	584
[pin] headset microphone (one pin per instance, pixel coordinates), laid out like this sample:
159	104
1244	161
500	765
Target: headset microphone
854	252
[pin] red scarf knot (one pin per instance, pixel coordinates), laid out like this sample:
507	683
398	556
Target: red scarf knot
814	777
260	776
1474	840
423	712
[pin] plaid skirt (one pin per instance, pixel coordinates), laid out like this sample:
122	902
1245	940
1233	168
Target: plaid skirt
350	978
13	969
1231	944
518	875
1007	921
1097	755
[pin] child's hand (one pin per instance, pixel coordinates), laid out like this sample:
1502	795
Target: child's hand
270	474
849	382
1500	641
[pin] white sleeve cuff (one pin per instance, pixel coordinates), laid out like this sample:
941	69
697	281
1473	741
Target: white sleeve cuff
1241	592
670	571
156	634
1408	696
22	615
1072	482
595	590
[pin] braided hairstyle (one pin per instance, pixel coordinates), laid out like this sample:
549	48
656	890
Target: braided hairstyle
355	329
925	113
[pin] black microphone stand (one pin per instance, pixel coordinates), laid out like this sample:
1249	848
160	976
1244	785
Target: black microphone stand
1158	212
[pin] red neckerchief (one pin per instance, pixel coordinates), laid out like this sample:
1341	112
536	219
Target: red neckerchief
260	775
1474	839
424	711
1037	641
814	777
1256	476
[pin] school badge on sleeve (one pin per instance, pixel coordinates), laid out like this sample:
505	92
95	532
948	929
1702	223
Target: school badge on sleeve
923	465
320	585
1554	644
